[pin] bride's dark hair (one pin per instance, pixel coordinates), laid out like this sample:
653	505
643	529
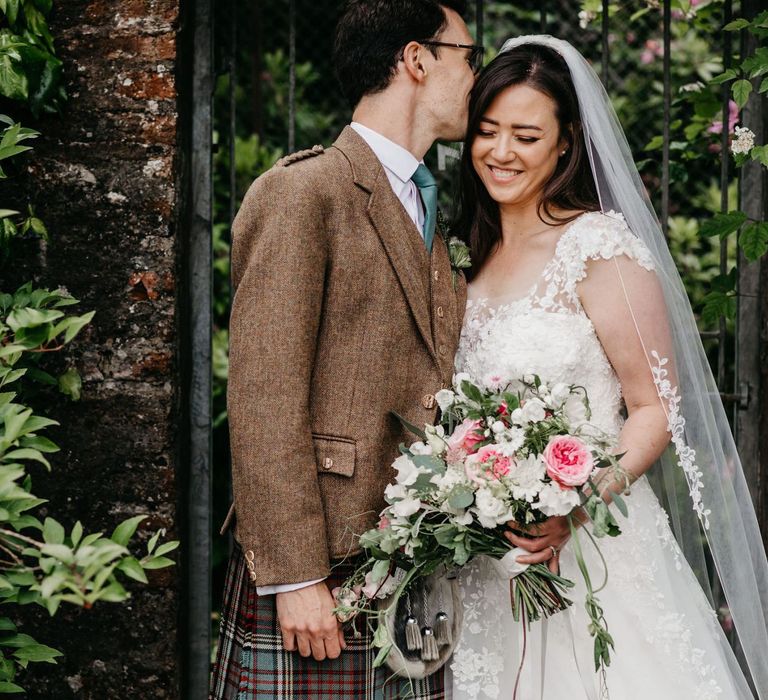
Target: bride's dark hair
571	185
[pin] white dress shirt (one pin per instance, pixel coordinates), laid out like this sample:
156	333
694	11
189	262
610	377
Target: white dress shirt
399	165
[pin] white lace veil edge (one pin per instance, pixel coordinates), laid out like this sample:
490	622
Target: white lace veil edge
699	479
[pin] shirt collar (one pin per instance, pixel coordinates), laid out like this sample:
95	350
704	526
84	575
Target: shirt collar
393	157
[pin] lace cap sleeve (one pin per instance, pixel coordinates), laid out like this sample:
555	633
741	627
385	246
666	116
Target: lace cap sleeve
602	236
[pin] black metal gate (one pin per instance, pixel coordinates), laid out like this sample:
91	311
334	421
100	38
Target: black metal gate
274	92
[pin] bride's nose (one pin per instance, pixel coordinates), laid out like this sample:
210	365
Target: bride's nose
504	149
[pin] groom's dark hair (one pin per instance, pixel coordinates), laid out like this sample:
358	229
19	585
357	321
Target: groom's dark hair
371	35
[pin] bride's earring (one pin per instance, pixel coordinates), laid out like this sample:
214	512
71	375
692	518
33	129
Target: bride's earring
564	151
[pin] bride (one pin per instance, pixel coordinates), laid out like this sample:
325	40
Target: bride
573	281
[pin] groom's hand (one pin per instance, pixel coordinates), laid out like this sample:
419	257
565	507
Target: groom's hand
308	624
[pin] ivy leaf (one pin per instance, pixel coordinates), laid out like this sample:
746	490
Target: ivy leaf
723	224
760	153
736	25
754	240
124	531
655	143
70	384
757	63
741	91
717	305
723	77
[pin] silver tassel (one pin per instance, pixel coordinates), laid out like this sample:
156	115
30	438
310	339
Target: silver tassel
442	630
412	634
429	652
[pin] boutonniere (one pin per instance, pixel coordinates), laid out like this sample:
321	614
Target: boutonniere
458	251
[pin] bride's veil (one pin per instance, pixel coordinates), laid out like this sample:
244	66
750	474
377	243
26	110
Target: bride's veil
699	479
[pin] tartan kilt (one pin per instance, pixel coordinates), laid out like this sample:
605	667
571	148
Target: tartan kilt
251	663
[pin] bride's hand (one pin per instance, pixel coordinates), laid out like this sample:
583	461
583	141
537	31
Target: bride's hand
544	540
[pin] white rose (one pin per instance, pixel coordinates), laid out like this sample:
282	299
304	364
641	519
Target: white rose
498	427
445	398
517	416
554	500
533	411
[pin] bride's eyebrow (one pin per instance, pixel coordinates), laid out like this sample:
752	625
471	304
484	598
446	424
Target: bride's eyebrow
513	126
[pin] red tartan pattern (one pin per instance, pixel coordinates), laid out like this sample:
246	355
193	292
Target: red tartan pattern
251	663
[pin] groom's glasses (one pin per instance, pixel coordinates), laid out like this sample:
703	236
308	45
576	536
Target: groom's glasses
475	58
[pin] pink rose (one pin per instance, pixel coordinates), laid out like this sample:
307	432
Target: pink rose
466	435
568	461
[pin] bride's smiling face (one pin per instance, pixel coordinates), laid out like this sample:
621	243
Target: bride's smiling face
517	145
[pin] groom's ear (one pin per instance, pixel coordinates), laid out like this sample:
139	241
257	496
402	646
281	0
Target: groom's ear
413	60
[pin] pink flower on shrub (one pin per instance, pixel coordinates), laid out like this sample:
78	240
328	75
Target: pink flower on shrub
652	50
733	118
568	461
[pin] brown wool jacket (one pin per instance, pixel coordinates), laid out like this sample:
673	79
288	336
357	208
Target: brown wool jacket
340	316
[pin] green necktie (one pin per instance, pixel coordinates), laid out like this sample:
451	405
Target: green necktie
423	179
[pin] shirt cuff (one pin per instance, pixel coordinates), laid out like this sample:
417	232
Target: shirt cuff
285	587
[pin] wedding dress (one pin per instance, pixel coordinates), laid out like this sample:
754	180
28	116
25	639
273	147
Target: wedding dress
668	642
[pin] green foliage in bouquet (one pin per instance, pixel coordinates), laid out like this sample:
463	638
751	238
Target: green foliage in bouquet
40	562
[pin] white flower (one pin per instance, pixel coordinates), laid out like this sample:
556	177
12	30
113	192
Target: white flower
559	394
585	17
576	410
463	518
382	589
419	448
517	416
458	378
407	471
498	427
445	398
533	411
744	140
491	511
393	492
406	507
436	439
526	477
698	86
511	440
554	500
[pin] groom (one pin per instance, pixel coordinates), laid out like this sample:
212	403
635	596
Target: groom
345	310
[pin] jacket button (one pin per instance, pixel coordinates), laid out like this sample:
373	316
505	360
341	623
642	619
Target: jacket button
436	275
249	555
428	401
440	313
442	350
328	463
252	575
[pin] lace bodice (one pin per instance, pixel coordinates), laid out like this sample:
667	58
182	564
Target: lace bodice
547	332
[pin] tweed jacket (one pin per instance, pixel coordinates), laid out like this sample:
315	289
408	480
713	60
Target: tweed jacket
340	316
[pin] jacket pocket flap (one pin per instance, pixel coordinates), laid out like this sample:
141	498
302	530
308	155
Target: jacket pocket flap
334	455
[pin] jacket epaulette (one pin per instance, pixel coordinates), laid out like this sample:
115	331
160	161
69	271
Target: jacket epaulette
300	155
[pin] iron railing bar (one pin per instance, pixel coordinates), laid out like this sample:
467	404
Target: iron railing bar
292	76
479	21
665	159
606	47
196	324
724	168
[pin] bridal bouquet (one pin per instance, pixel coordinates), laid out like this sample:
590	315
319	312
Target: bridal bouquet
497	455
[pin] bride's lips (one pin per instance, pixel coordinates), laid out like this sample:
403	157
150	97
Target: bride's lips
503	175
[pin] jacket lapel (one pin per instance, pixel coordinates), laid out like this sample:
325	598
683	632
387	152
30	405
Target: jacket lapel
401	241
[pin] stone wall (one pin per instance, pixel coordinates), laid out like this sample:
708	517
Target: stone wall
103	177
